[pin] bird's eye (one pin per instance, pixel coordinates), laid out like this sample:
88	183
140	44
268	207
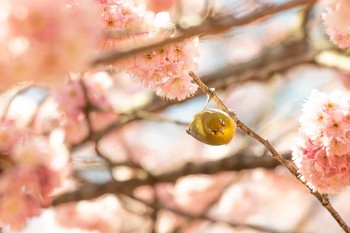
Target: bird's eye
222	122
211	131
213	127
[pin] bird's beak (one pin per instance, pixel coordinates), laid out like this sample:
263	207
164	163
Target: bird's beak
220	130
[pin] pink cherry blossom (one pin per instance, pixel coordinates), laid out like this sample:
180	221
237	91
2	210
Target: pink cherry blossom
7	138
324	121
124	18
97	85
16	205
47	39
75	128
322	151
31	171
70	98
73	98
336	18
169	77
328	173
179	87
100	120
92	215
164	70
47	117
160	5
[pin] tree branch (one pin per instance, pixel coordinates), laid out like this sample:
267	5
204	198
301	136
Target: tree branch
323	199
235	162
209	27
262	68
204	217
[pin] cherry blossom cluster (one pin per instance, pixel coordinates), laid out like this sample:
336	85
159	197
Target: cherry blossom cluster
32	168
94	215
322	150
164	70
337	21
66	108
42	40
74	97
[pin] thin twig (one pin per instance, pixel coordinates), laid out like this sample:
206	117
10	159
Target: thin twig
87	112
98	135
305	20
154	214
323	199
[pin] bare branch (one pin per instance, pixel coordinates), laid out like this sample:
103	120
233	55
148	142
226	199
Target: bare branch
262	68
305	19
235	162
204	217
214	220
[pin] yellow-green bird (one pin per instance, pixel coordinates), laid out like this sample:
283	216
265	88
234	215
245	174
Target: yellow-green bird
213	127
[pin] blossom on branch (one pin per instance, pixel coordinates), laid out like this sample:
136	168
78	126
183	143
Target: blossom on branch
32	168
322	151
43	40
336	18
94	215
75	97
164	70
